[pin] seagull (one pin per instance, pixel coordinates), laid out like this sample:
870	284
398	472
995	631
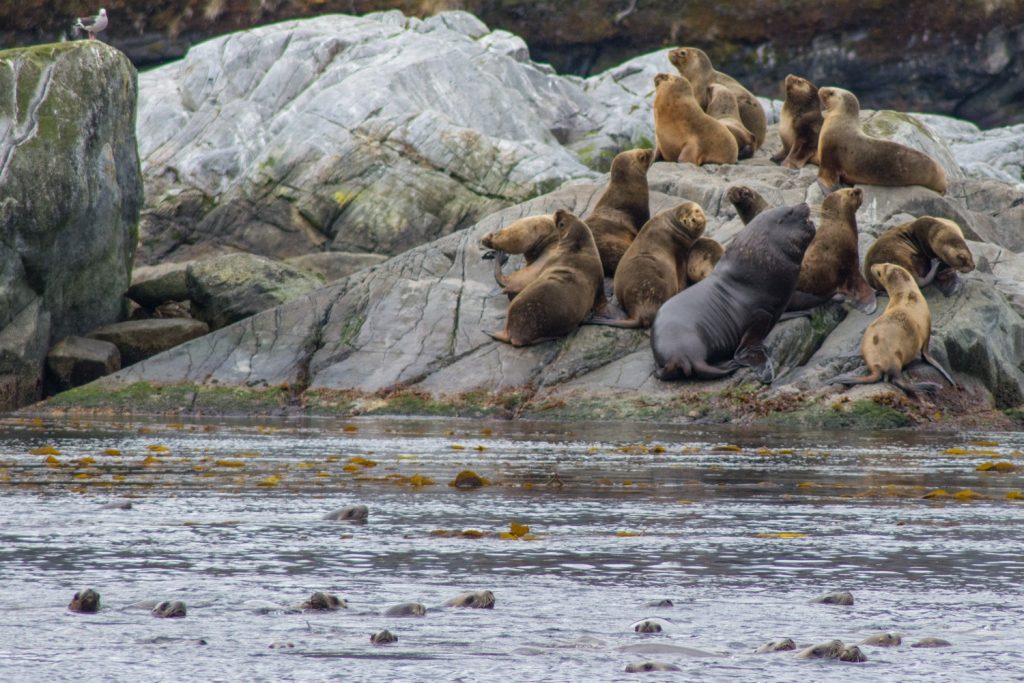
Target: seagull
92	25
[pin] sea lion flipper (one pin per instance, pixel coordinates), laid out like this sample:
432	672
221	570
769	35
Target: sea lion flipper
915	387
499	336
926	279
949	282
751	351
932	361
870	378
500	259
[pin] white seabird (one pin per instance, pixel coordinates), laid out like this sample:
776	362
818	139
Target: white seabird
92	25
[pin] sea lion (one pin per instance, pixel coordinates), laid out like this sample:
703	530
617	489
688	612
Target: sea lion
623	207
718	325
846	154
654	266
830	649
643	667
837	598
169	609
569	287
831	265
86	602
722	106
887	639
647	626
852	653
799	124
695	65
323	602
384	637
748	202
406	609
535	237
782	645
932	642
682	131
931	249
703	257
475	599
349	513
899	335
664	602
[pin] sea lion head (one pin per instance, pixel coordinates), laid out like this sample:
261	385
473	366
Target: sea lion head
847	200
631	164
689	60
647	626
643	667
948	244
87	601
830	649
678	84
688	221
476	599
800	90
324	602
796	223
170	609
523	236
836	101
852	653
893	277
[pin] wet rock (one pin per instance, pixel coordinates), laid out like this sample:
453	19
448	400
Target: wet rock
229	288
836	598
349	513
830	649
74	361
23	347
137	340
406	609
86	601
334	265
932	642
887	639
474	599
644	667
384	637
648	626
323	602
782	645
169	609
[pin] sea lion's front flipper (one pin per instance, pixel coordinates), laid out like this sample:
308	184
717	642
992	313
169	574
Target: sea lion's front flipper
948	281
500	259
858	292
751	351
927	278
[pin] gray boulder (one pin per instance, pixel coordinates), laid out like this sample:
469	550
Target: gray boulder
70	196
334	265
137	340
155	285
229	288
74	361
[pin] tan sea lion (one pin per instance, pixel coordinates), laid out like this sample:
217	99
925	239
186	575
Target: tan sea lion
931	249
647	626
406	609
782	645
899	335
682	131
703	257
654	267
86	602
534	237
474	599
831	264
718	325
569	287
323	602
932	642
846	154
836	598
169	609
644	667
722	105
830	649
384	637
799	124
623	207
748	202
695	65
887	639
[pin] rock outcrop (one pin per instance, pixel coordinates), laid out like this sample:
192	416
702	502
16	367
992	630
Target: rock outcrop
70	196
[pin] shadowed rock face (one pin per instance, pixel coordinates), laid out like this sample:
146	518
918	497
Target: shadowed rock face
70	195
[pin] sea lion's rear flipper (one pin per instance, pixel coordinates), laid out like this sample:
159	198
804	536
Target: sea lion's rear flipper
949	282
499	336
751	351
931	360
629	323
870	378
703	370
799	155
915	387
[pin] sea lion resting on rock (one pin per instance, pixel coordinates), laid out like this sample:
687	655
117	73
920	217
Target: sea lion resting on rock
535	237
723	107
718	325
695	65
799	124
931	249
569	287
623	207
846	154
655	265
899	335
86	602
682	131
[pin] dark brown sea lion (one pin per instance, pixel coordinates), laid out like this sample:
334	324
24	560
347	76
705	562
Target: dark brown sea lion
535	237
846	154
86	602
384	637
695	65
169	609
831	264
654	266
931	249
682	131
899	335
830	649
722	105
623	208
569	287
835	598
475	599
852	653
323	602
799	124
718	325
703	257
664	602
647	626
748	202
